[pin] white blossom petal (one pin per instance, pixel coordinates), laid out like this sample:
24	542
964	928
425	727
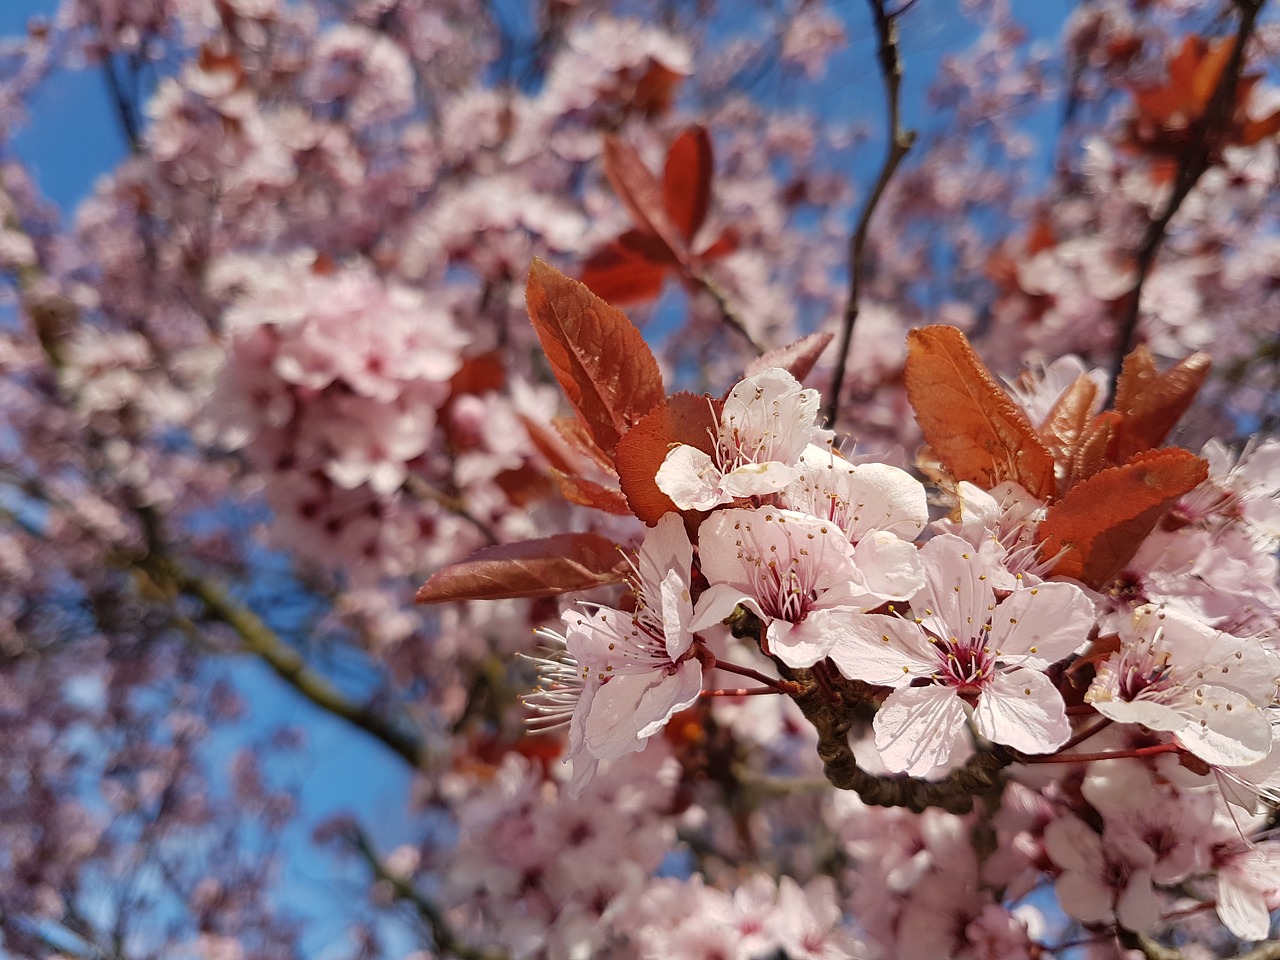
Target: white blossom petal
918	728
1022	709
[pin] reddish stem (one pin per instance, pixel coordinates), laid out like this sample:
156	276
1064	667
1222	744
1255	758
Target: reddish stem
779	685
1082	735
742	692
1108	755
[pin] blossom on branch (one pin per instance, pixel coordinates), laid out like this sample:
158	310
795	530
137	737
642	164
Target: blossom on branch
767	423
980	641
634	671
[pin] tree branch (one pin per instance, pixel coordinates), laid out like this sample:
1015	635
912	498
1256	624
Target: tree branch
260	640
900	141
1158	951
446	941
832	705
125	108
1192	164
729	315
981	775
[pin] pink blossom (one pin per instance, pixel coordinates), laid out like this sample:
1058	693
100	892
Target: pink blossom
1102	879
767	422
1248	886
978	653
797	573
1176	674
634	671
858	497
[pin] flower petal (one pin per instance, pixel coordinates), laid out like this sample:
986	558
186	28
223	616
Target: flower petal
663	700
690	478
1023	709
917	728
888	651
1041	624
1225	728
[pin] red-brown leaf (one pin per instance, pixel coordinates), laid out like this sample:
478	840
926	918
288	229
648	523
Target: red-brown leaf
1101	522
547	444
642	195
685	418
534	568
576	436
1136	373
524	485
604	366
1154	402
630	269
796	358
978	433
479	374
686	181
722	246
588	493
1255	131
1068	420
1094	451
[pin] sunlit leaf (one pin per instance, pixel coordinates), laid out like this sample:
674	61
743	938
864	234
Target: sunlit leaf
685	418
625	270
1099	523
1093	452
642	194
686	181
534	568
1153	404
977	432
796	358
602	362
588	493
1067	423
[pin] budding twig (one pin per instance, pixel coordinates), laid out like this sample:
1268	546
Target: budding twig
899	144
1192	164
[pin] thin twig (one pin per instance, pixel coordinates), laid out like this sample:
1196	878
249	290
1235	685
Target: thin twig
126	111
742	692
446	941
782	686
1159	748
727	312
1158	951
900	141
260	640
1193	163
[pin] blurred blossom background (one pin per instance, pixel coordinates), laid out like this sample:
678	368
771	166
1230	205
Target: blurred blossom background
265	366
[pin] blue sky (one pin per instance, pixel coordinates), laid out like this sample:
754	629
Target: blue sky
71	138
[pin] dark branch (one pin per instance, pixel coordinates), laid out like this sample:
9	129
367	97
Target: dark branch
1158	951
900	141
1192	164
260	640
833	704
126	110
446	941
981	775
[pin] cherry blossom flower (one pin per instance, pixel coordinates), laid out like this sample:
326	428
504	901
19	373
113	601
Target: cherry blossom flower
631	672
979	654
767	422
1248	886
858	497
1176	674
799	574
1102	876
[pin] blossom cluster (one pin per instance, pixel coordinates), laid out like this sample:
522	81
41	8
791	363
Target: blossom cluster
1161	683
